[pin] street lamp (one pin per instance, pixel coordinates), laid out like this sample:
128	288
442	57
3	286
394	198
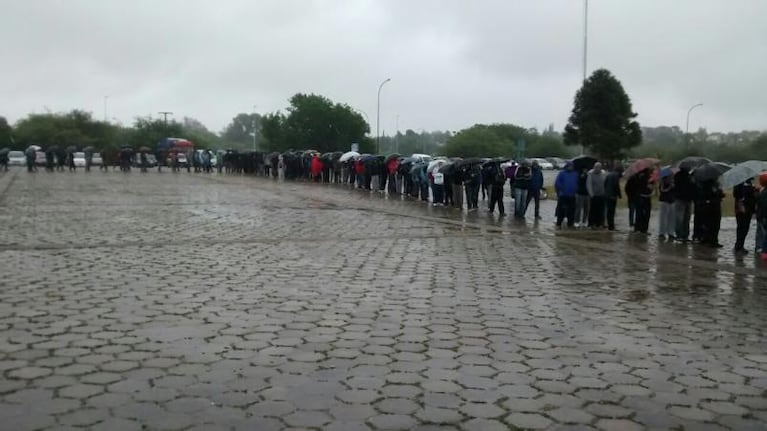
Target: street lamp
687	126
378	116
254	127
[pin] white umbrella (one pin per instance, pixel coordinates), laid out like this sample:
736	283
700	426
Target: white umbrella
345	157
742	172
34	148
435	164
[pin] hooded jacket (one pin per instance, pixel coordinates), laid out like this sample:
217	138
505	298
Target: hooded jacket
566	183
595	182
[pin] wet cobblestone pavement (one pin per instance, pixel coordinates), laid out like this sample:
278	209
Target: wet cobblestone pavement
182	301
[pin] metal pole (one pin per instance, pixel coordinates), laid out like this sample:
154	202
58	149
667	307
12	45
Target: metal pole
165	117
585	35
378	116
105	108
687	125
254	127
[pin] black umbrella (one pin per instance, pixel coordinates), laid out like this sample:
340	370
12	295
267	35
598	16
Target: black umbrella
392	156
496	160
5	151
692	162
583	162
71	149
710	171
447	169
468	162
53	149
89	150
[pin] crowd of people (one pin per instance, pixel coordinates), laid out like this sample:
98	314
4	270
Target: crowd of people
587	197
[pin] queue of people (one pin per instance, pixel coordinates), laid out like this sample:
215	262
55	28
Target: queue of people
589	199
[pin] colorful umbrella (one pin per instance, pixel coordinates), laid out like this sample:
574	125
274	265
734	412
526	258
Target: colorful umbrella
640	165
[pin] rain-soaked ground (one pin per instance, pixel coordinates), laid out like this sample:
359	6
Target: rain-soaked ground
193	301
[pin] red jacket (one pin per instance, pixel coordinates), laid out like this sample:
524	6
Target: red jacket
359	168
392	166
317	166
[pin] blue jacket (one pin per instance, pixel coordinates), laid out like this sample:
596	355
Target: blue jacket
566	184
536	180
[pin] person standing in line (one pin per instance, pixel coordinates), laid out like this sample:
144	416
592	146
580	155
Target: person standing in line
534	192
437	181
457	187
684	195
643	201
391	168
566	186
472	183
761	217
595	185
711	207
511	171
496	178
666	219
745	206
582	199
612	194
521	184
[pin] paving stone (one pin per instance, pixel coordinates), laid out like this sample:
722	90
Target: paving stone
528	421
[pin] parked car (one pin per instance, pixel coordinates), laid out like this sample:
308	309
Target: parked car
557	162
16	158
97	160
423	158
543	163
181	161
39	159
79	158
151	161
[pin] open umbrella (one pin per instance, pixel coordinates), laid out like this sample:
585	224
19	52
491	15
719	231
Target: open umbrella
435	164
691	162
468	162
640	165
666	171
144	150
583	162
345	157
448	168
34	148
392	156
742	172
5	151
710	171
89	150
71	149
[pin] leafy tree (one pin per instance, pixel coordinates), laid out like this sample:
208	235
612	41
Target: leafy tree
481	140
6	138
239	132
602	119
315	122
76	128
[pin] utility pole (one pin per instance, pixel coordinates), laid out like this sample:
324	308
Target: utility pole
165	117
105	108
585	47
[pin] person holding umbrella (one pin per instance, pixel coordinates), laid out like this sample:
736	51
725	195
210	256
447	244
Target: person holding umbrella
745	206
684	195
522	178
595	184
612	194
534	191
710	206
496	178
643	201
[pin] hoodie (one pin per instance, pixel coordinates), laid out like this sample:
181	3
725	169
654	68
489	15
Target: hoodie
566	183
595	182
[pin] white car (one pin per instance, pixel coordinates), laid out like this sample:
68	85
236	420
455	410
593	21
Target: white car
79	158
543	163
423	158
96	159
16	158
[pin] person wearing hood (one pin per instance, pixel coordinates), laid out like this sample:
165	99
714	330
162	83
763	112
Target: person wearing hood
472	181
566	186
595	185
316	168
496	178
521	184
710	204
391	168
612	194
745	206
534	191
582	199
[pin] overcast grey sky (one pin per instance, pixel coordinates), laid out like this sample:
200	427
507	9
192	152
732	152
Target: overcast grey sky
453	63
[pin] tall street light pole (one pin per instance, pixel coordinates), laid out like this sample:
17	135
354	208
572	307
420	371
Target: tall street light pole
687	125
585	46
378	116
105	108
254	127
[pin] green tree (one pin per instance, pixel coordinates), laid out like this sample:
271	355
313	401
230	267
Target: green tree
6	134
239	132
602	119
76	128
315	122
481	140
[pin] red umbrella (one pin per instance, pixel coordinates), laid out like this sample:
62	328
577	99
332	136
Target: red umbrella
640	165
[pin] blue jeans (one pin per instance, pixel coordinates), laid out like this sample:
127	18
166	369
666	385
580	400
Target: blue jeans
520	202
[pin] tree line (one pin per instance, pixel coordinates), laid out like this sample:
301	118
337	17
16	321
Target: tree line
602	123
